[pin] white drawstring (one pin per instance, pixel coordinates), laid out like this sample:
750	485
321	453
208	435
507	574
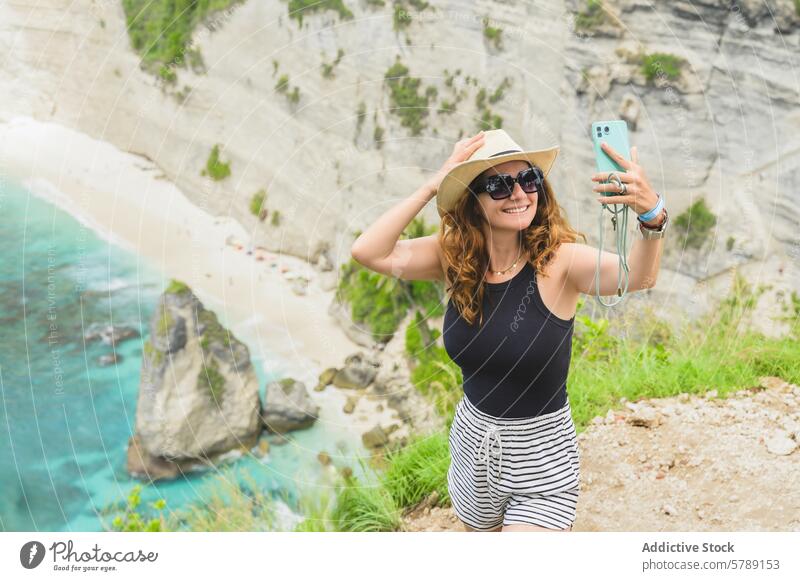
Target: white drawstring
488	451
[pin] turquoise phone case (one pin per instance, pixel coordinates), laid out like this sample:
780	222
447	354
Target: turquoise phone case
615	133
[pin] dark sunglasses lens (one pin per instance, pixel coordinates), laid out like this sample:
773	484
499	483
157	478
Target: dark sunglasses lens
500	186
527	181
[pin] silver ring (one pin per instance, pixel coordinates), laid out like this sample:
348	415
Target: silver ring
613	177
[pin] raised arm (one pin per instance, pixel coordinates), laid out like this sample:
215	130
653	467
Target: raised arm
379	247
645	255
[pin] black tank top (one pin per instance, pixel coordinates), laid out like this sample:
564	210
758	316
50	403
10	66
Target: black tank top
515	365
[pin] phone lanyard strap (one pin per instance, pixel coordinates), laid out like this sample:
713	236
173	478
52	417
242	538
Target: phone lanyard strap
621	232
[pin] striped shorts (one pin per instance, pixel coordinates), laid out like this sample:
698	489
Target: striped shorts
513	470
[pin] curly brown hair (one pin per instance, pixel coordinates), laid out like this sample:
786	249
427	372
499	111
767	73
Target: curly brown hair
465	248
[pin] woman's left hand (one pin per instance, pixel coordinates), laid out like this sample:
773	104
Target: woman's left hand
640	195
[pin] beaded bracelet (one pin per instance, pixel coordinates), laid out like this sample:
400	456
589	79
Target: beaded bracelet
647	216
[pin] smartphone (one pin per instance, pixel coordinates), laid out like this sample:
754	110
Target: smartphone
615	133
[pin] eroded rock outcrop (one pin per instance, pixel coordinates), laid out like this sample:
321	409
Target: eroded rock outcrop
287	406
198	397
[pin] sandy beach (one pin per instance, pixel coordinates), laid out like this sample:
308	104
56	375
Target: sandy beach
127	200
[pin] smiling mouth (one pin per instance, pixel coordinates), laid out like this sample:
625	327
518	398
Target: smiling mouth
517	210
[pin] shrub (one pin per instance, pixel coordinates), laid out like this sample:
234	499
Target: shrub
327	68
490	121
276	218
282	86
215	168
695	224
446	107
401	17
492	34
257	207
300	8
133	519
500	90
661	64
407	103
591	16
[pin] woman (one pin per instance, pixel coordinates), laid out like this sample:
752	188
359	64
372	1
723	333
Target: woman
514	273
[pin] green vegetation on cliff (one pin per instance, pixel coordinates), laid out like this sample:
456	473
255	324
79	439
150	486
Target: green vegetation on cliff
492	34
327	68
177	287
401	16
161	31
211	379
381	301
662	65
215	168
591	16
694	225
213	331
407	102
300	8
282	87
257	207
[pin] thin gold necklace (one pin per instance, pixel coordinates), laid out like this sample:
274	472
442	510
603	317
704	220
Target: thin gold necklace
502	272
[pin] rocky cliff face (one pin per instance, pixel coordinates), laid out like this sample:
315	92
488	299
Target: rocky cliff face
198	397
716	118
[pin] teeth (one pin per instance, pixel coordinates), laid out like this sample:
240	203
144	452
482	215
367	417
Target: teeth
516	210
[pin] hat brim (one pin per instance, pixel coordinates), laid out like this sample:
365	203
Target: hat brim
455	183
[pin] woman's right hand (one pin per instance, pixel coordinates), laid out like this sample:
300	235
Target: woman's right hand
462	151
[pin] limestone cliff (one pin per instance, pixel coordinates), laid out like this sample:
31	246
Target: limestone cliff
707	86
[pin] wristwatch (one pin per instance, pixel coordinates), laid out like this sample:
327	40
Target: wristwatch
654	232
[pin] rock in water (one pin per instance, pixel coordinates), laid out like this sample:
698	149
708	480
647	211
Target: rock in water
109	359
198	397
287	406
109	334
358	372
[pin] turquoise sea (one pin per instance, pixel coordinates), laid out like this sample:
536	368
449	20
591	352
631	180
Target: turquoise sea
64	419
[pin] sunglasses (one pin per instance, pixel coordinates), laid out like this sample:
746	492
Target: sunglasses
501	186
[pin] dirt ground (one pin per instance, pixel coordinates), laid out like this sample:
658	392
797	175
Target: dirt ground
684	463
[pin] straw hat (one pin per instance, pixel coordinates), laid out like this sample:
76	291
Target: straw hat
498	147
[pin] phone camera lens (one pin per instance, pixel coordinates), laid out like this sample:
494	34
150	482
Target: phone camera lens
605	128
